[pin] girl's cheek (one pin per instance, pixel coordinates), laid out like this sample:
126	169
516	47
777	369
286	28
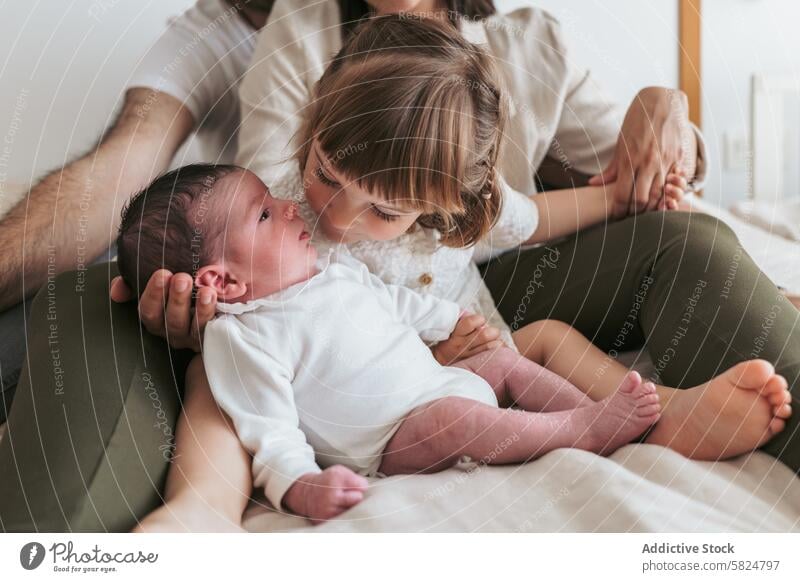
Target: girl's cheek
381	230
315	198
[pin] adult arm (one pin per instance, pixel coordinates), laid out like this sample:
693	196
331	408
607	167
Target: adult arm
71	216
636	152
656	135
564	212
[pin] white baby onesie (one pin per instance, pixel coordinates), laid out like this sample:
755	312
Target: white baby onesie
328	368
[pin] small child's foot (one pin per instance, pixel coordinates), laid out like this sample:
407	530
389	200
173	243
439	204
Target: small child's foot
734	413
621	417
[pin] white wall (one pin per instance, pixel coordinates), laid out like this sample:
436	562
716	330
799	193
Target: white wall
741	37
628	44
65	63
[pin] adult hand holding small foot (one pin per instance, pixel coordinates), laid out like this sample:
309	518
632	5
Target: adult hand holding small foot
322	496
656	138
165	307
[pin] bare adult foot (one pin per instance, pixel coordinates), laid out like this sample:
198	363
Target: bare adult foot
736	412
621	417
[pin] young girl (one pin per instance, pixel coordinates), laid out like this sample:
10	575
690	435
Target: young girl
398	162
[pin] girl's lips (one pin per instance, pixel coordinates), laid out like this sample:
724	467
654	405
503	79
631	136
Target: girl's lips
304	235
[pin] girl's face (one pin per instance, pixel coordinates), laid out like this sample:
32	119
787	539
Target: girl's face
346	212
396	6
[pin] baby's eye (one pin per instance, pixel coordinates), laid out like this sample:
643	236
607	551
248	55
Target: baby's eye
264	215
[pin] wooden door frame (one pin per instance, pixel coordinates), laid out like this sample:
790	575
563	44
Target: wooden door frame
689	56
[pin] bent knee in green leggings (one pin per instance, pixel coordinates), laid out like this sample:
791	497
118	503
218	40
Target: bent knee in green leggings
91	430
676	282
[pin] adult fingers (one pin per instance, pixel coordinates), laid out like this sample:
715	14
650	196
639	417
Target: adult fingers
204	311
623	190
179	311
656	195
486	334
468	324
606	176
479	349
120	292
642	185
678	181
151	303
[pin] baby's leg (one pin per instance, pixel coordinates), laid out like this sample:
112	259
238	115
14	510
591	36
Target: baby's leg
435	435
517	380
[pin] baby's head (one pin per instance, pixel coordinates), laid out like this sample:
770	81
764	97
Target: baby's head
220	224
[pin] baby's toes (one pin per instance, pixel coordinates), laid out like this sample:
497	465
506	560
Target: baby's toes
645	389
648	410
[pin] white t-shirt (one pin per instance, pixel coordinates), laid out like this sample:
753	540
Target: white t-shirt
200	59
324	372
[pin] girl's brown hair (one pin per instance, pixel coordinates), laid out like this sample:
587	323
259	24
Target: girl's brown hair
410	110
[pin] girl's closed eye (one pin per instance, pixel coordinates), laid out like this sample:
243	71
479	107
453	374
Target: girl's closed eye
325	180
382	215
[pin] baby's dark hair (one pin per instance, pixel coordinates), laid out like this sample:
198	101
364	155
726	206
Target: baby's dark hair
171	224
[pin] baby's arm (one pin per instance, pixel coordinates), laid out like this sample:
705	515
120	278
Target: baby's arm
432	317
255	390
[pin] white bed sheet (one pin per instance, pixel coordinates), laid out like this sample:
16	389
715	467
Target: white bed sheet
639	488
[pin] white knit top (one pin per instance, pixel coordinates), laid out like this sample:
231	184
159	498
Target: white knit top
419	261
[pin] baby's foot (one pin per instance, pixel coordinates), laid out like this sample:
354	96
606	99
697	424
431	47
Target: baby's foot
621	417
736	412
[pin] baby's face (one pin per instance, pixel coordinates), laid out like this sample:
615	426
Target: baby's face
266	244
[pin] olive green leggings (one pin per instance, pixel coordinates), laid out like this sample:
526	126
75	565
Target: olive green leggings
675	282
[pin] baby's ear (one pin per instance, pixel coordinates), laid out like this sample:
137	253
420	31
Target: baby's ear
221	281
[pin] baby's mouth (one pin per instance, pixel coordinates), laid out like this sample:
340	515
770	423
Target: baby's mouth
304	235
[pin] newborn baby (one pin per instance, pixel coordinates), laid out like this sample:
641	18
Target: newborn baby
321	365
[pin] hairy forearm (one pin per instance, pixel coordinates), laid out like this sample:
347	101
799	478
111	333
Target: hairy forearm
71	216
564	212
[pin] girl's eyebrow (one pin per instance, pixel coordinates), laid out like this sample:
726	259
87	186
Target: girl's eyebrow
322	159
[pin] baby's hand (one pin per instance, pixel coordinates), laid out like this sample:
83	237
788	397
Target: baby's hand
322	496
470	337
